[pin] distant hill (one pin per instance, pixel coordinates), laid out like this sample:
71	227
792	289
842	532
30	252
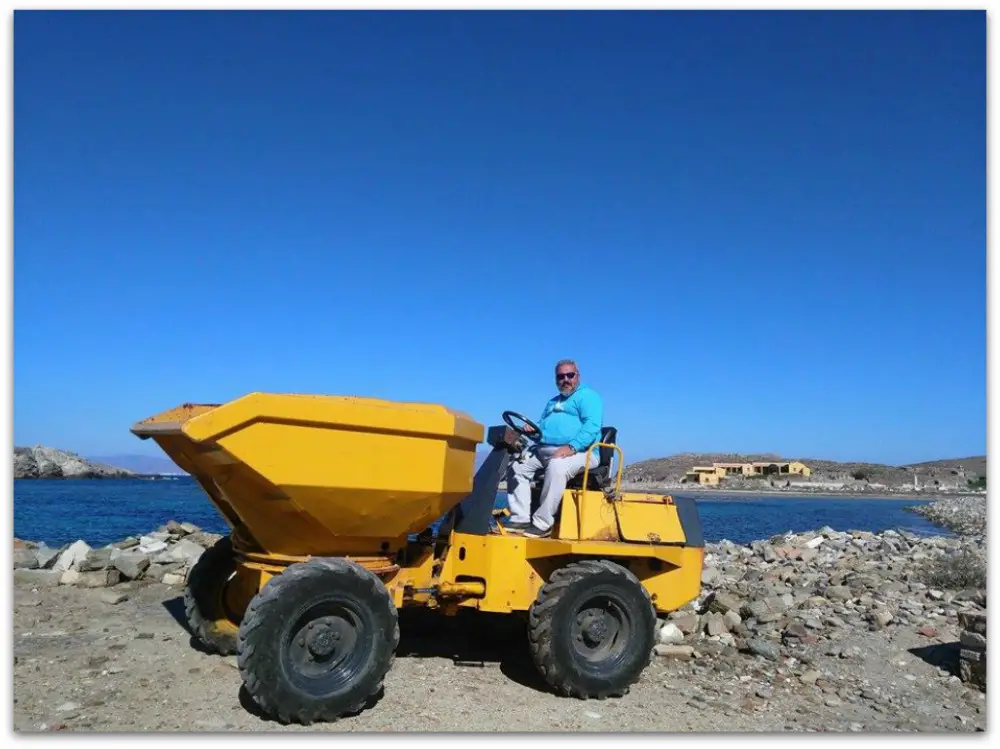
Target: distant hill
140	463
942	474
975	464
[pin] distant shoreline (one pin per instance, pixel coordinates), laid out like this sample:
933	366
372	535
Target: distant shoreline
804	495
130	477
801	494
694	493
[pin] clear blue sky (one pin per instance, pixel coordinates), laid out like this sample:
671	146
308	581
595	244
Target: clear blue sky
754	232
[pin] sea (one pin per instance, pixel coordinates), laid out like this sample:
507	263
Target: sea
102	511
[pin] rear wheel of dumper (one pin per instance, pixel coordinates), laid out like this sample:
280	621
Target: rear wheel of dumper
592	629
205	598
316	642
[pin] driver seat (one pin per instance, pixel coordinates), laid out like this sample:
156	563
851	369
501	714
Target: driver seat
599	477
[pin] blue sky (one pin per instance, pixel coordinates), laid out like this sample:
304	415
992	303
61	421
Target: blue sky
754	231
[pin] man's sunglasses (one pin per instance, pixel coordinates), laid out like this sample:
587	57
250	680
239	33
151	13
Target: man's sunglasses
565	376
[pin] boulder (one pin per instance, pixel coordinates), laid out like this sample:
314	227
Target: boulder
151	545
37	577
684	652
186	551
132	564
724	602
99	579
176	529
764	648
715	626
47	556
75	553
95	559
670	634
25	559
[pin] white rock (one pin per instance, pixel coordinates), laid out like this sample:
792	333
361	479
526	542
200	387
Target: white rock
186	551
69	577
72	557
815	542
152	546
47	557
674	651
173	578
670	634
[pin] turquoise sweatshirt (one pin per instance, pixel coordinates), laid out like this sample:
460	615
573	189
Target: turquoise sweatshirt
575	421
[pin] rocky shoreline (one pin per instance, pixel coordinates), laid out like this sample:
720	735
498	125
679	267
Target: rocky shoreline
823	631
40	462
966	515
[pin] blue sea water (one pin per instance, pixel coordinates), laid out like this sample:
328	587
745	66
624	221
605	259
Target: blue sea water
103	511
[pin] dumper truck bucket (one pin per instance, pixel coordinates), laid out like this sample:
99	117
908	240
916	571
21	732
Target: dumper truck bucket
312	475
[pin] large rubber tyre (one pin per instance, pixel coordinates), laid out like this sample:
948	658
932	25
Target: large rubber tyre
591	630
204	598
316	642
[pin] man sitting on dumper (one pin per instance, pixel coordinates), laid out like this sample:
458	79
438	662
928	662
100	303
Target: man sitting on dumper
571	422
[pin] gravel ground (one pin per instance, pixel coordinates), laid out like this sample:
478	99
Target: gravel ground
82	664
822	631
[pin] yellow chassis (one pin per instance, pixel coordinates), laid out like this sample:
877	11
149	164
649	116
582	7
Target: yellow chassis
502	572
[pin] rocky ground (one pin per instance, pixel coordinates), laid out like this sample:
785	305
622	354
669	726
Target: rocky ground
824	631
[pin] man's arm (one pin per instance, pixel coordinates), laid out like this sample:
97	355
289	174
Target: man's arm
592	414
545	411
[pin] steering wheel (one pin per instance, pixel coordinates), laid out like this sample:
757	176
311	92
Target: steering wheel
535	435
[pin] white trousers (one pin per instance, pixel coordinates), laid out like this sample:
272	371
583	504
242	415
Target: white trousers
557	472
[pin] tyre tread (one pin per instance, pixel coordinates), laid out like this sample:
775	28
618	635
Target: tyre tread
266	601
210	564
540	624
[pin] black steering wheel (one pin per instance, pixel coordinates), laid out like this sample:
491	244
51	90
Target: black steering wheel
535	435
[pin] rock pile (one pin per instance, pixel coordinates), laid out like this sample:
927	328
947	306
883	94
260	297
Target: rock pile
166	556
781	597
965	515
972	657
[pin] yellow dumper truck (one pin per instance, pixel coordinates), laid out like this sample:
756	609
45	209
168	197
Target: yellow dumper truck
330	499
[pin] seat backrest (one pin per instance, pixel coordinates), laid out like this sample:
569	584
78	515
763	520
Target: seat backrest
606	454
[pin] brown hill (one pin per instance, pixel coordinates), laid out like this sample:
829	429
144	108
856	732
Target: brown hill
975	464
943	473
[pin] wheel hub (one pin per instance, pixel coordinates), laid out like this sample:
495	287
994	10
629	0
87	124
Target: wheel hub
324	636
600	630
595	631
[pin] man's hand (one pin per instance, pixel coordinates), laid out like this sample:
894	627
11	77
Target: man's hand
563	452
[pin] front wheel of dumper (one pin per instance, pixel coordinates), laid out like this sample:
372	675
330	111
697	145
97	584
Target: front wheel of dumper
592	630
316	642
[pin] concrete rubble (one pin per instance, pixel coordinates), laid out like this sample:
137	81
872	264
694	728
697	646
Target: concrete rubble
782	601
972	657
165	555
